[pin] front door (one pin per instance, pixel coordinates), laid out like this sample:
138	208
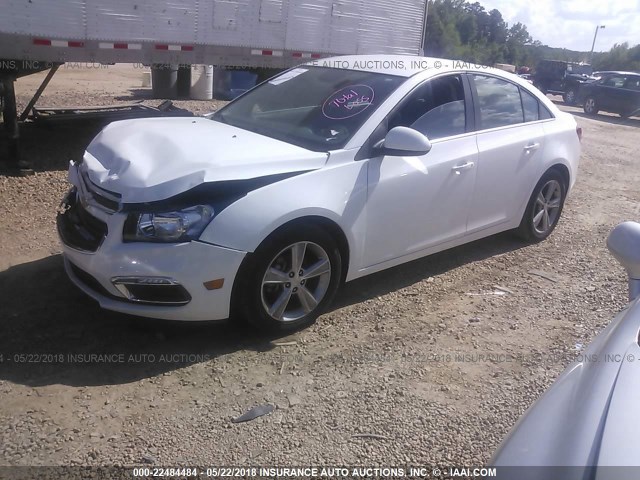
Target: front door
415	202
611	95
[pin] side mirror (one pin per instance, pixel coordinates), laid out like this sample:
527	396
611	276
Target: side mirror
404	141
624	245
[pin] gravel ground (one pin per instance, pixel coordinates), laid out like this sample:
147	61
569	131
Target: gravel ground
429	363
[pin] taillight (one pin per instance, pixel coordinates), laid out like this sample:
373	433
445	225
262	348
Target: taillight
579	132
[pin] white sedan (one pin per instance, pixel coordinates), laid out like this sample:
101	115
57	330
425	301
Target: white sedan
328	172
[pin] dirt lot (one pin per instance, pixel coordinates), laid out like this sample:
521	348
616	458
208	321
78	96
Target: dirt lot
431	359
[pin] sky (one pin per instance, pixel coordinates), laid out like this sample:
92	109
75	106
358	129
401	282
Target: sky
571	23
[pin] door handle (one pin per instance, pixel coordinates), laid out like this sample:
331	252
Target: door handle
532	147
464	166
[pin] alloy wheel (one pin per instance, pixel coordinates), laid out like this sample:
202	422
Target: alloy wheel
547	207
296	281
590	105
570	97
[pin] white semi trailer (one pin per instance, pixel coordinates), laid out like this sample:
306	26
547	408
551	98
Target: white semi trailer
220	32
35	34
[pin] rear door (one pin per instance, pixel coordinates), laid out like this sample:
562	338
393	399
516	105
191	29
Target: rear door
559	73
631	95
510	145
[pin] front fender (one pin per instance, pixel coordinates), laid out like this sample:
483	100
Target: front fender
337	193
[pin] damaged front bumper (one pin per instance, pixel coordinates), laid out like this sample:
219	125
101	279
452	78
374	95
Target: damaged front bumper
181	281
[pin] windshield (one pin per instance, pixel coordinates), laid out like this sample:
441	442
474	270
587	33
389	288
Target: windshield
315	108
579	69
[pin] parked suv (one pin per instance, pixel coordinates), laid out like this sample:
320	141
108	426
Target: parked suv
562	78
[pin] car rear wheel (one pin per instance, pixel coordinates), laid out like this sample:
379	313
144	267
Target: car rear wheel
569	96
590	106
544	208
290	279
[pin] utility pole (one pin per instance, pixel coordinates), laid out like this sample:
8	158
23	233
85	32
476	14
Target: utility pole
593	45
424	30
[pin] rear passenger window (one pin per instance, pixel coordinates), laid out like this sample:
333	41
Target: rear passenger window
544	112
531	107
499	101
632	83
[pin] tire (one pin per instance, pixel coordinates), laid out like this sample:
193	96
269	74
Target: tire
260	291
569	97
590	106
544	208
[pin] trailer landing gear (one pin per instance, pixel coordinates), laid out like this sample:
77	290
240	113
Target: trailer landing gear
10	162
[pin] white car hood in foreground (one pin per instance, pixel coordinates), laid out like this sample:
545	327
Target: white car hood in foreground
145	160
590	416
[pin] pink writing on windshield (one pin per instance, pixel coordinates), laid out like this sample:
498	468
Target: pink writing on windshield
348	101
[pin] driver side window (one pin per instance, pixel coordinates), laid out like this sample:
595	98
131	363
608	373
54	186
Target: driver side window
435	109
614	81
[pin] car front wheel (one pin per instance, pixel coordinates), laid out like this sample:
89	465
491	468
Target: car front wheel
569	97
590	106
544	208
290	279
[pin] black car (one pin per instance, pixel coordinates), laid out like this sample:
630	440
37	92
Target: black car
615	92
562	78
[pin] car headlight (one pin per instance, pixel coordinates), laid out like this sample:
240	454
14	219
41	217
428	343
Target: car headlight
170	227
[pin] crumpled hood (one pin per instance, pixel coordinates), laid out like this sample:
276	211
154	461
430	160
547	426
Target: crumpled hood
145	160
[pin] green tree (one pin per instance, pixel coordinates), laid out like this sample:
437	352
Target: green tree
517	38
620	57
466	31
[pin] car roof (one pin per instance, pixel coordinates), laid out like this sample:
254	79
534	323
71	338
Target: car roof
399	65
616	72
567	62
